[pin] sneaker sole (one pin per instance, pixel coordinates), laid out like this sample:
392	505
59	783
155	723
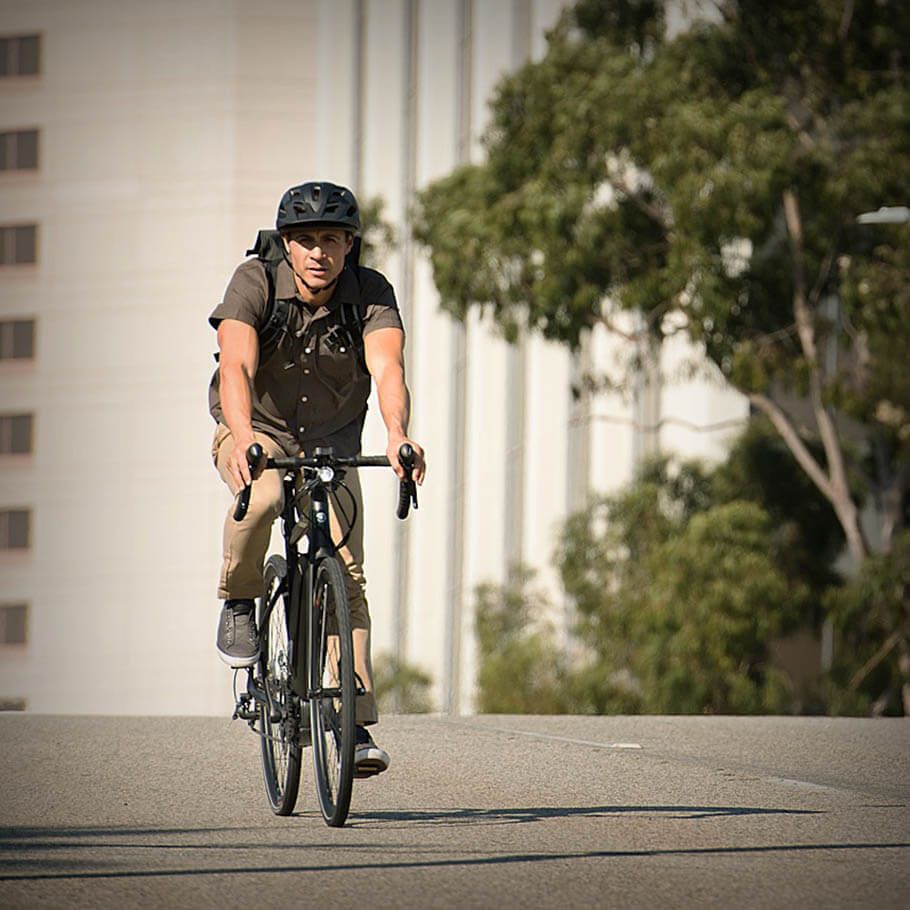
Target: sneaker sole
237	663
368	769
370	764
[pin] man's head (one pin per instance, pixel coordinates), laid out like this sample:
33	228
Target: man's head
318	222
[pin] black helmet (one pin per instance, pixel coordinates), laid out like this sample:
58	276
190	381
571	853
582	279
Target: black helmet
318	204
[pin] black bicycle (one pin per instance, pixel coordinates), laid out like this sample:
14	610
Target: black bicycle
302	690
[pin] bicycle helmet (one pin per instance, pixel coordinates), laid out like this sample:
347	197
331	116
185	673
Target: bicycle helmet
318	203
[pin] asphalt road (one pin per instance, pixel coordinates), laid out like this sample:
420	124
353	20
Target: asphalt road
482	812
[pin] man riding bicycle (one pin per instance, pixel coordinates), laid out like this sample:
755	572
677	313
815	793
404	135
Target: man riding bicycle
306	388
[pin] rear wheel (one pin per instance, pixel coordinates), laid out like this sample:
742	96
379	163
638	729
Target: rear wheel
332	692
281	722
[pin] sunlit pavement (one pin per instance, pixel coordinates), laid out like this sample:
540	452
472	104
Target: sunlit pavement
475	812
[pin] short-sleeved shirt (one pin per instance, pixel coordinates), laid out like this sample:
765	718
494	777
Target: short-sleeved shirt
311	386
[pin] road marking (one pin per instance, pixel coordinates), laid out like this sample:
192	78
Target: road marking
802	784
560	739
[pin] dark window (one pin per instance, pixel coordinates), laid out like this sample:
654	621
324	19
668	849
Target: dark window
15	529
16	434
19	150
18	244
17	339
20	55
14	624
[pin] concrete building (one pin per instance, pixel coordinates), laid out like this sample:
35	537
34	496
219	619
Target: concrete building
143	146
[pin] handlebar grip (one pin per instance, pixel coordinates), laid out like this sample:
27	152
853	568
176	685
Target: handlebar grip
242	503
407	489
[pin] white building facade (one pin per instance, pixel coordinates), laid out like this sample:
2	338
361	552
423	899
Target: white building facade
144	145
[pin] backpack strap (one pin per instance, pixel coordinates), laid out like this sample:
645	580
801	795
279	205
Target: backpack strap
269	250
276	312
352	320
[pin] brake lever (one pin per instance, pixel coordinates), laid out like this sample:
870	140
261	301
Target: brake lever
407	489
242	501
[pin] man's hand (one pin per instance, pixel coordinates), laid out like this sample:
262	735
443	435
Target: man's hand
238	468
420	466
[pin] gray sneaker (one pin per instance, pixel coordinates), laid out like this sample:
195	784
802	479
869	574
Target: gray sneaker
238	641
369	759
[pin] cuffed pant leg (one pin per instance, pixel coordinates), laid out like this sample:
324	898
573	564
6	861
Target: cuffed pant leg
246	541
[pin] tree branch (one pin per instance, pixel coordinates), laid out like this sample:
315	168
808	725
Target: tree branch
784	425
845	19
839	495
605	320
886	648
654	212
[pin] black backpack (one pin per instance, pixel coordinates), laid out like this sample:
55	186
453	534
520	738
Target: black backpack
269	250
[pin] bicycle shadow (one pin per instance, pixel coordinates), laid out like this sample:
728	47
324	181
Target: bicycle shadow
526	815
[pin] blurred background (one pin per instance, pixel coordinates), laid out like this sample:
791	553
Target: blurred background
658	365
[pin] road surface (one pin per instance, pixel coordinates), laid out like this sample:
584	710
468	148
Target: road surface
474	812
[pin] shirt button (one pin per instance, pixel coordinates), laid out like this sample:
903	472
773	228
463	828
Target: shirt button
307	350
306	372
301	429
304	398
342	350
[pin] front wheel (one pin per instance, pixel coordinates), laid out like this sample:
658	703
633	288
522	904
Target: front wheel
332	692
280	720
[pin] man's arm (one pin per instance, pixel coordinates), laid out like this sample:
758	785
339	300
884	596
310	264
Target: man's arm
384	353
237	365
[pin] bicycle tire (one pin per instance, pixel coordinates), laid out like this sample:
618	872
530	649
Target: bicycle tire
332	716
280	741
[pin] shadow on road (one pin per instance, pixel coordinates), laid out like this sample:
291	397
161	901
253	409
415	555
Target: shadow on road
443	817
83	869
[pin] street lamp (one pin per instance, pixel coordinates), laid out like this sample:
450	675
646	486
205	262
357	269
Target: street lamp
887	214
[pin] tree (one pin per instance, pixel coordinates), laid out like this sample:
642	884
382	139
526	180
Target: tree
521	670
401	688
715	176
872	613
679	597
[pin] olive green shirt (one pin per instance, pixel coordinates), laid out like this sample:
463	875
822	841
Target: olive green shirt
311	387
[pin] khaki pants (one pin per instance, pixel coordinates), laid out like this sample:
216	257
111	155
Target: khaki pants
246	543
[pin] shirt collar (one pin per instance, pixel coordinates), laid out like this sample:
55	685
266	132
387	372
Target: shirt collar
346	289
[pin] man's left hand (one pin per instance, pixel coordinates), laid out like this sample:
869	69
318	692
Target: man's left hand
420	465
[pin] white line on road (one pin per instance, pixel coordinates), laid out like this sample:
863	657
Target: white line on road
561	739
804	784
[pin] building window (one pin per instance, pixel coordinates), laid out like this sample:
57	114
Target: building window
16	434
13	624
19	150
17	339
20	55
18	244
15	529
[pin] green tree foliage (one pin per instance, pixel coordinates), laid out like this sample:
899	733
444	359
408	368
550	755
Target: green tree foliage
717	175
681	582
872	614
378	236
683	594
760	469
400	687
521	668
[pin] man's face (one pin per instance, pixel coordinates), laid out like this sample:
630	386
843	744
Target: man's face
317	253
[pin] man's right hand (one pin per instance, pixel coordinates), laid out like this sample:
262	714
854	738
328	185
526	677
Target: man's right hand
238	468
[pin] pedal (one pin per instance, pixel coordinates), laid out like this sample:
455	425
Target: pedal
242	710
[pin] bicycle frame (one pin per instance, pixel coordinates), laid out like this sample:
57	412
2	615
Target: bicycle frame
301	576
301	567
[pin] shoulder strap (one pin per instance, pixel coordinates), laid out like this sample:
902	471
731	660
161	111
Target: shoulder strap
276	312
270	252
352	320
